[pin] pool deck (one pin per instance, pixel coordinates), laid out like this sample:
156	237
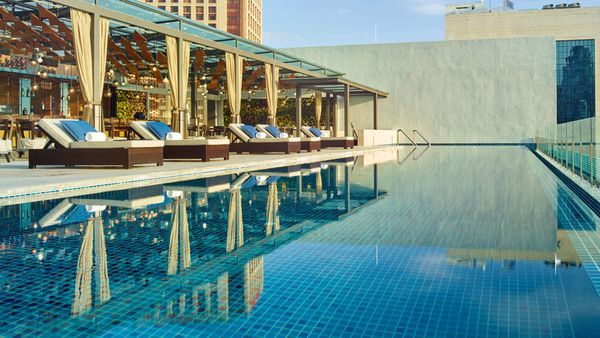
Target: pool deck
18	184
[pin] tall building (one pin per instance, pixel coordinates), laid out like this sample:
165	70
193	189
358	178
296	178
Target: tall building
239	17
575	30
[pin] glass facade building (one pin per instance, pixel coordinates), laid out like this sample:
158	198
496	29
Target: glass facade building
575	78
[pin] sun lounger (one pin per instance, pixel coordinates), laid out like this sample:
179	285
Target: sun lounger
68	147
202	185
293	171
345	142
195	148
306	143
246	142
131	199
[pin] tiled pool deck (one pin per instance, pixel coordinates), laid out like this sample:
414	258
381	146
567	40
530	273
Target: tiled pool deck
19	184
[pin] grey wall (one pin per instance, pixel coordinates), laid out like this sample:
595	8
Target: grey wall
480	91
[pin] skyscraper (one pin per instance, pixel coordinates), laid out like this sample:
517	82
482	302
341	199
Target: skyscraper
239	17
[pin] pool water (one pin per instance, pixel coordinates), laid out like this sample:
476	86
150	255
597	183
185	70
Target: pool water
446	241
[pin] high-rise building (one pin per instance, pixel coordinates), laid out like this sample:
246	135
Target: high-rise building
239	17
575	30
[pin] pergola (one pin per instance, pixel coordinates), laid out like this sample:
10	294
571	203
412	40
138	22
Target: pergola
137	46
334	87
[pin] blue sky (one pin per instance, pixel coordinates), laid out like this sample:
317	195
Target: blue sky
298	23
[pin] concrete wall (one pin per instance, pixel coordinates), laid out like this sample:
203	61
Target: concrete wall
485	91
562	24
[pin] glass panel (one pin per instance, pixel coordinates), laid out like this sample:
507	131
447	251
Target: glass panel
138	10
575	80
203	32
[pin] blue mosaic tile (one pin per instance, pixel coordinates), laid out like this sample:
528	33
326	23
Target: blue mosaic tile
461	242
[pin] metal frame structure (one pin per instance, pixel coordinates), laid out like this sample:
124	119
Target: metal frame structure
334	87
129	17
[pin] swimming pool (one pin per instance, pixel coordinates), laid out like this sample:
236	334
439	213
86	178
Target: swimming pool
449	241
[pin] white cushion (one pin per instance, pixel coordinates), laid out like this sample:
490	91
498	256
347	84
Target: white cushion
338	138
5	147
95	208
307	132
284	135
198	141
274	140
237	130
24	144
53	127
141	128
95	137
117	144
174	136
260	134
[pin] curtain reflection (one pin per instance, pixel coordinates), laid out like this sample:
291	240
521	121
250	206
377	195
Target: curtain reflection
179	235
235	222
93	244
253	282
272	210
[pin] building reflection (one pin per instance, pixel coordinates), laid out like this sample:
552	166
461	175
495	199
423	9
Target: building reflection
194	250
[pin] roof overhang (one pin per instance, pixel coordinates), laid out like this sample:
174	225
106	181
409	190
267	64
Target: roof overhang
334	85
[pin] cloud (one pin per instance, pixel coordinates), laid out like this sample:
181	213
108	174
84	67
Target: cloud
427	7
283	39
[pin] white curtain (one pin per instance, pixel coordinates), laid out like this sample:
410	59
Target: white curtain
318	108
235	71
91	74
178	85
272	81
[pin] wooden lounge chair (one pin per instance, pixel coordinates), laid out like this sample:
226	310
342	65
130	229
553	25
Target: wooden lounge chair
202	185
131	199
64	149
244	143
306	143
194	148
346	142
293	171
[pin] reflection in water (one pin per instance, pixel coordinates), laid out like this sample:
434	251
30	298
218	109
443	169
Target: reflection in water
273	223
179	235
253	282
460	232
92	245
235	221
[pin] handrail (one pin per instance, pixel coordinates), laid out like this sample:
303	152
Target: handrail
408	137
424	139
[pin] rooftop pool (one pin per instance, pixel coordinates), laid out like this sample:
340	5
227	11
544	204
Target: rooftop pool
445	241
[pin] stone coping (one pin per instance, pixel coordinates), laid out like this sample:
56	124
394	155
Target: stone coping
18	184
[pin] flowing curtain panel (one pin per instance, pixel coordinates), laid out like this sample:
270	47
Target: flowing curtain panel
235	71
272	81
318	108
178	81
91	74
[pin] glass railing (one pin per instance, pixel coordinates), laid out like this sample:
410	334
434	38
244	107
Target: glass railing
574	145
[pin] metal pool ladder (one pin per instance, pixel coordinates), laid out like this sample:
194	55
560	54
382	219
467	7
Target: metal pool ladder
416	132
408	137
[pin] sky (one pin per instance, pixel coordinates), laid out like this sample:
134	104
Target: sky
300	23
